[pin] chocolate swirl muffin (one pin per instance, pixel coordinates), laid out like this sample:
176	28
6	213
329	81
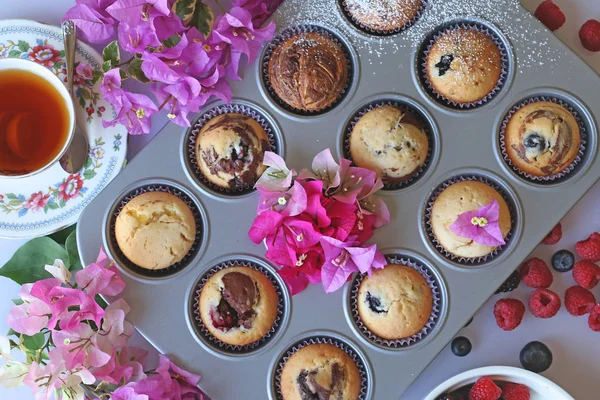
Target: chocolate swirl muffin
308	71
320	372
230	150
542	138
383	15
238	305
464	65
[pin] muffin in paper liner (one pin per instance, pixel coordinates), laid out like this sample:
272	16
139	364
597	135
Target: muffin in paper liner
405	107
380	32
436	310
466	261
218	345
554	178
123	261
208	114
434	36
286	34
322	339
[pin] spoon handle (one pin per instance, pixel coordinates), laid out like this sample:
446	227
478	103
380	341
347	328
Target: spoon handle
69	31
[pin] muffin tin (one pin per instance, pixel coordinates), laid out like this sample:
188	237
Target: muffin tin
466	144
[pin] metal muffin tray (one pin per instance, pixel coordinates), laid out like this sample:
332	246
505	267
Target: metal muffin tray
466	146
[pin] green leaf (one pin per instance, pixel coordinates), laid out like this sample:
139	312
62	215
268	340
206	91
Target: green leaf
172	41
17	302
62	203
14	53
53	206
34	342
202	18
135	70
123	74
11	332
73	252
89	174
100	301
15	202
61	236
111	53
61	53
27	264
11	196
85	94
106	66
23	45
88	162
184	9
96	75
81	102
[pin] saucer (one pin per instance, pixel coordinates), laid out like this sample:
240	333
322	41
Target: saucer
53	199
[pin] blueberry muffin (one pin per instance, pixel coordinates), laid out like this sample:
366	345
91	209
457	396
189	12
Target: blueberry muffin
383	15
238	305
320	371
394	302
457	199
230	150
155	230
542	138
389	141
464	65
308	71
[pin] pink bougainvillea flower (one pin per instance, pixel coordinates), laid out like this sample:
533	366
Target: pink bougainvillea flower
277	177
377	207
157	69
85	71
300	234
167	25
236	29
309	262
343	218
290	203
342	259
296	281
134	112
114	328
59	271
264	225
134	11
135	39
111	88
79	345
178	383
180	98
127	393
355	183
260	10
37	201
315	201
45	379
325	169
196	54
71	306
30	317
480	225
94	24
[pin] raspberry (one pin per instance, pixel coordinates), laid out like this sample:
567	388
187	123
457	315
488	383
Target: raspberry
594	318
544	303
485	389
509	313
589	34
579	301
589	249
535	273
554	236
550	15
586	274
515	391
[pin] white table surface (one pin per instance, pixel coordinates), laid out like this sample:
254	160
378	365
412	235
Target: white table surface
576	348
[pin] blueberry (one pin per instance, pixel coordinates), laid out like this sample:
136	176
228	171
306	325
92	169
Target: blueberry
563	261
534	140
510	284
461	346
375	303
468	322
536	357
444	65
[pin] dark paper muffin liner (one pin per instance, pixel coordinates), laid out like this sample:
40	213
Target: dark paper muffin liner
469	261
380	32
405	107
286	34
436	310
190	143
218	345
322	339
123	261
434	36
554	178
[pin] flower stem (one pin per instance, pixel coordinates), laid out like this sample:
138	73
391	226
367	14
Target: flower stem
126	62
164	103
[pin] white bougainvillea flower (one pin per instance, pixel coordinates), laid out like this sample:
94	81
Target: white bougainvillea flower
59	271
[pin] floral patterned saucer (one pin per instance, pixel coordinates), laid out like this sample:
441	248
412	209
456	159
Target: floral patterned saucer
53	199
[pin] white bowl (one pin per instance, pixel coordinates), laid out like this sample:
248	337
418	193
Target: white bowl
539	387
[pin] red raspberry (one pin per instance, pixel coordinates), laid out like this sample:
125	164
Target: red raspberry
535	273
554	236
544	303
586	274
589	249
589	34
509	313
594	318
515	391
579	301
550	15
485	389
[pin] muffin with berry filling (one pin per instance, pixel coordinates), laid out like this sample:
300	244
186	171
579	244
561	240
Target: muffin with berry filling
238	305
383	15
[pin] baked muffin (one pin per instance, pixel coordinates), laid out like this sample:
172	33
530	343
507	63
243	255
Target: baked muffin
542	138
390	142
457	199
238	305
394	302
155	230
230	150
308	71
320	371
383	15
464	65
